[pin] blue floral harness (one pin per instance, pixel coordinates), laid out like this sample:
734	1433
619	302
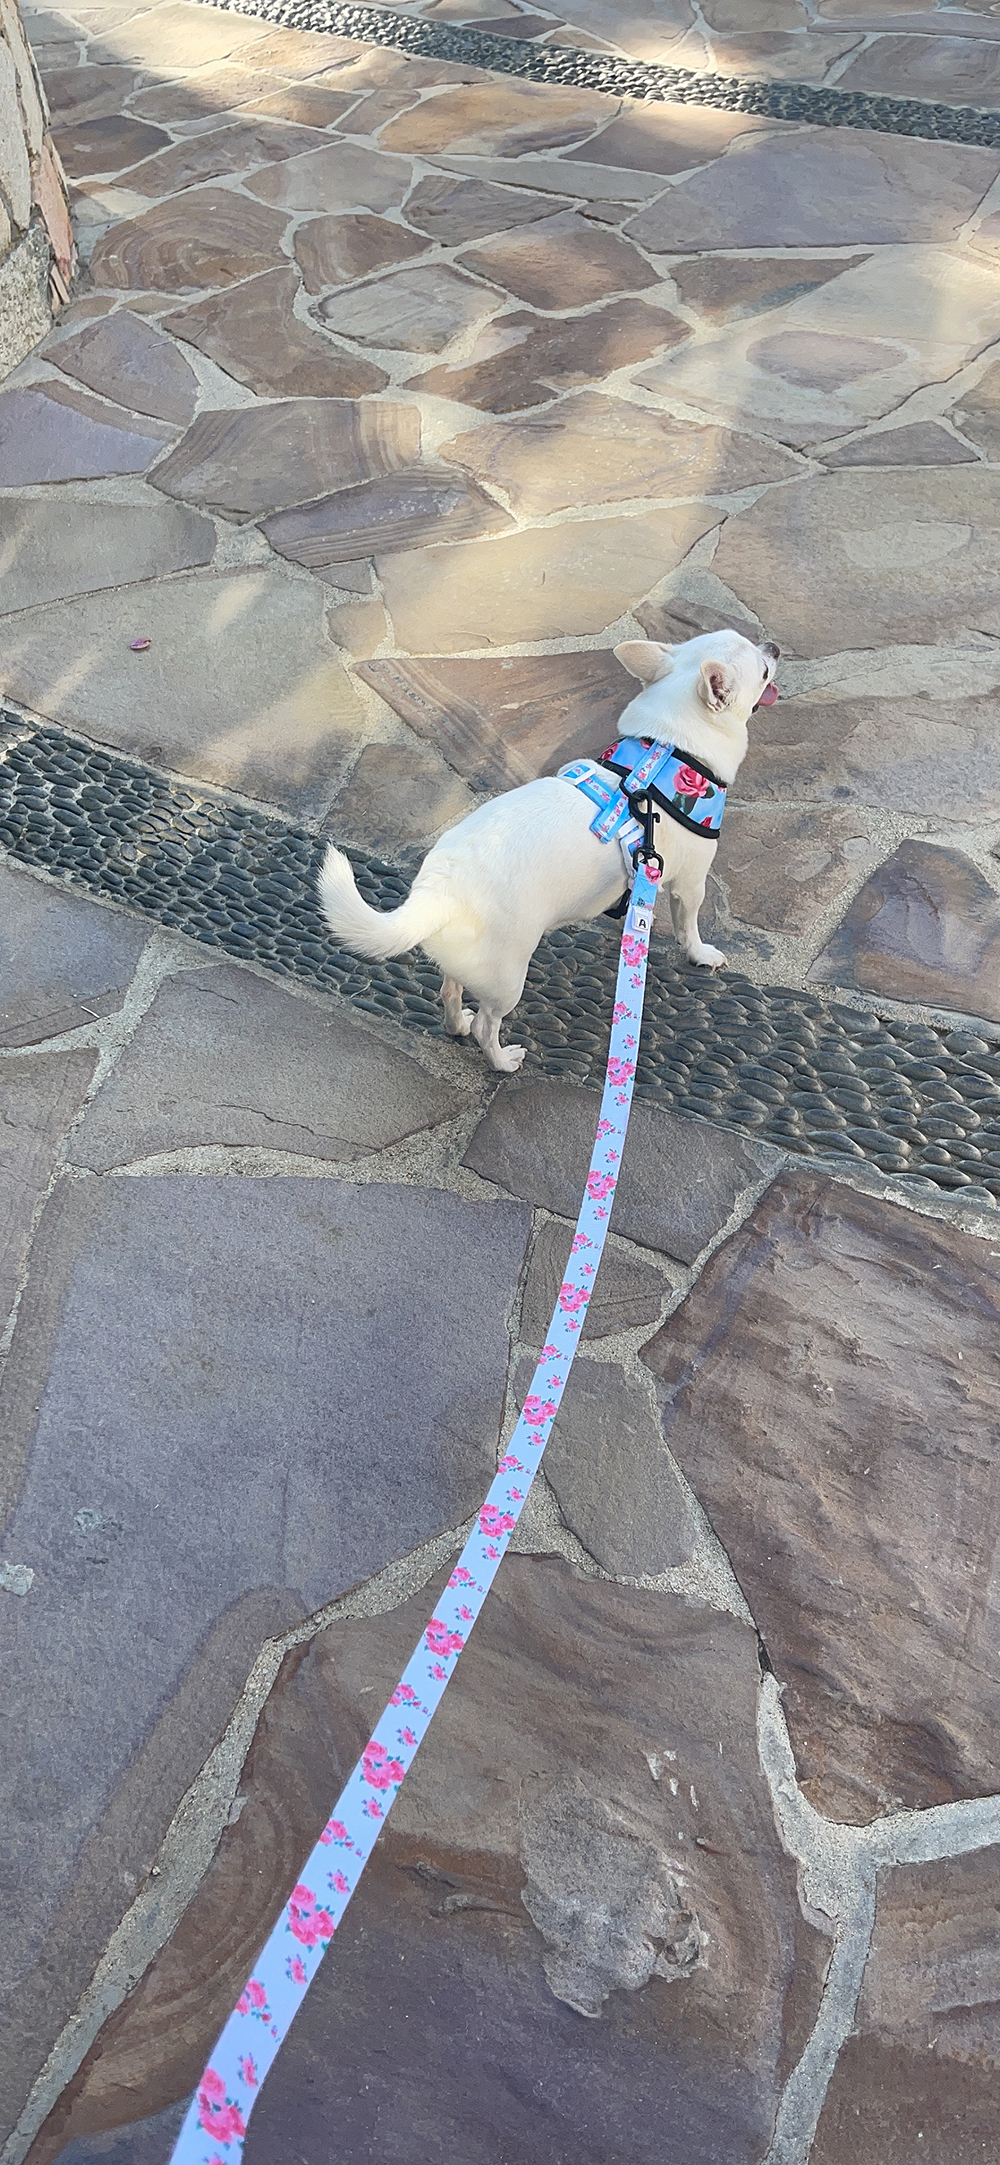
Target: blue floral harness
637	775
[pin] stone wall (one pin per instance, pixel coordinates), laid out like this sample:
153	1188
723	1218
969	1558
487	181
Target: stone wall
36	242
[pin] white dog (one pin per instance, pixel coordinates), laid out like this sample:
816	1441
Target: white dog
518	867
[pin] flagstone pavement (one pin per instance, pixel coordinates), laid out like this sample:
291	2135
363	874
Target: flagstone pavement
393	394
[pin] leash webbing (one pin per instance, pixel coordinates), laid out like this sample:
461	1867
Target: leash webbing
215	2125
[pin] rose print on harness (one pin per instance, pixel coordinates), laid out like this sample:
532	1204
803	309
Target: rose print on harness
634	777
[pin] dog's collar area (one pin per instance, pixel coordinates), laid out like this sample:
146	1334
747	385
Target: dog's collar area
674	781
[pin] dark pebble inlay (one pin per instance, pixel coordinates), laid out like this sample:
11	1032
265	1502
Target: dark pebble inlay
629	78
817	1079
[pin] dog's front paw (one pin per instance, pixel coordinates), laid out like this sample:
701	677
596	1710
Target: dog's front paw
508	1058
710	958
465	1022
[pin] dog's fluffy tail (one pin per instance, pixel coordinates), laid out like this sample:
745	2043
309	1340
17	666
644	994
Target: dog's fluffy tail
376	934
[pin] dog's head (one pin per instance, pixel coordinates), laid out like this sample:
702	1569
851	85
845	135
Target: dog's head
726	672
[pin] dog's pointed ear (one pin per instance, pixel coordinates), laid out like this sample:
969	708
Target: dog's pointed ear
645	659
717	685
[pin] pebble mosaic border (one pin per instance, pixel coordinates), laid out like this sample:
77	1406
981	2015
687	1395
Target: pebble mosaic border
628	78
821	1080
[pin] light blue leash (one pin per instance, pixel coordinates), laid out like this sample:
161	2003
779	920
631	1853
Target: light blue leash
215	2125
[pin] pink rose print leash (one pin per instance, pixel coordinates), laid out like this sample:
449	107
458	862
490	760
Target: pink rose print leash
215	2126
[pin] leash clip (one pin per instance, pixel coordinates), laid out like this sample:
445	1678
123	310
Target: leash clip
642	808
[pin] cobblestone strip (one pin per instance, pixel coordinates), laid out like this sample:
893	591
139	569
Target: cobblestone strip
910	1098
628	78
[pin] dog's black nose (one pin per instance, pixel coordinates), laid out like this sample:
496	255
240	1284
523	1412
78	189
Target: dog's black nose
772	650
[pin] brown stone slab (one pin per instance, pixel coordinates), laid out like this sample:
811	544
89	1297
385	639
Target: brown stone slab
679	1179
920	443
829	1391
503	117
906	557
503	722
546	583
53	549
666	138
342	176
39	1098
451	209
607	1445
170	40
781	56
410	311
925	926
978	410
522	360
782	869
131	362
936	756
397	794
87	93
313	105
252	331
231	1399
207	92
532	1860
261	458
333	251
627	1292
597	450
951	71
562	262
225	1058
394	512
65	961
108	144
822	187
917	2078
724	288
207	237
53	432
240	149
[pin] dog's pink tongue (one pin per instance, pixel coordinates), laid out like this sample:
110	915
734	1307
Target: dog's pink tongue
768	696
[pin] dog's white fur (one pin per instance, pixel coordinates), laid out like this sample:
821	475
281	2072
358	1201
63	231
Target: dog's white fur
526	862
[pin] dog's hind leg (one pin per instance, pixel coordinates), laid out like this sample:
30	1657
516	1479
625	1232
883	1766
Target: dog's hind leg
458	1020
486	1031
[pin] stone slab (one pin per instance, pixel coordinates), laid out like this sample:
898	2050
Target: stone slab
503	722
627	1292
561	262
613	1480
598	450
108	143
679	1180
546	583
919	443
39	1098
333	251
54	432
52	550
343	176
724	288
978	409
532	1860
521	359
398	794
905	557
130	361
398	511
829	1392
666	138
504	117
239	685
925	926
409	311
783	868
229	1400
920	2067
63	960
223	1057
949	71
919	754
80	93
594	183
819	188
252	331
170	39
206	237
262	458
252	142
450	209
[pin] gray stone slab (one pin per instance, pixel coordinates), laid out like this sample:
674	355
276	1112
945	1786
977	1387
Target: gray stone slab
627	1292
224	1057
228	1400
614	1482
679	1181
39	1096
50	550
63	960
